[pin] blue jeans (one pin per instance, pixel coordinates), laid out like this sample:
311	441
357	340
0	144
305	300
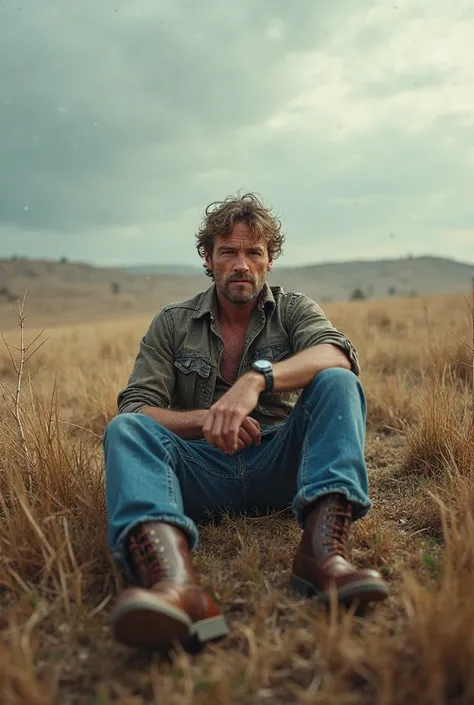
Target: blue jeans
152	474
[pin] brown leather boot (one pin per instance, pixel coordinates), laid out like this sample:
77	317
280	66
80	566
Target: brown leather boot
171	605
322	560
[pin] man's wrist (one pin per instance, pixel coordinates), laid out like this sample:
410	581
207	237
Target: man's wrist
256	379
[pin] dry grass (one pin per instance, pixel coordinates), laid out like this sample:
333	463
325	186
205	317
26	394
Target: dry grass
57	580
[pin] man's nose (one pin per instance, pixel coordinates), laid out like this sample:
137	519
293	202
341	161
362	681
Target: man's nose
240	263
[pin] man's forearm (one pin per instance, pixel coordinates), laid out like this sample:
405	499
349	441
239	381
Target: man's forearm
186	424
300	369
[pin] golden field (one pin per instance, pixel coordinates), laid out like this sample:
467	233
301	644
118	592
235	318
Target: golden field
58	582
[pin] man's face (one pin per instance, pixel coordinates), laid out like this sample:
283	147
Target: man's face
240	265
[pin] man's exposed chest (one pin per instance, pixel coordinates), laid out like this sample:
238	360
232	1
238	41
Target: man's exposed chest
234	341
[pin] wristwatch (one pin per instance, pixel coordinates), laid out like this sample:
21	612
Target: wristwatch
265	368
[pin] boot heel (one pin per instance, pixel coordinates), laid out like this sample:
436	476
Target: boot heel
213	628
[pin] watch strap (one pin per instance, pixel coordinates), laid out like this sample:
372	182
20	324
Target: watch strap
268	375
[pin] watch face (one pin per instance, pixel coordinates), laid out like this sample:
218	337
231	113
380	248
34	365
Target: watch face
262	364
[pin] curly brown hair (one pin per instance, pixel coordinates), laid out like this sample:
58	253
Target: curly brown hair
220	217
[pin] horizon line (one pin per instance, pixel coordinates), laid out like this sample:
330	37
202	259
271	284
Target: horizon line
197	267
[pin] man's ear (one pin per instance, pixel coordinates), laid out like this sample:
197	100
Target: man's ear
208	258
270	264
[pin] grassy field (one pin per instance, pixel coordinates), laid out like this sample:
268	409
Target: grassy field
58	582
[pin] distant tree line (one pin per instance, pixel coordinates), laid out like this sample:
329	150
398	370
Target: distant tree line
359	294
18	258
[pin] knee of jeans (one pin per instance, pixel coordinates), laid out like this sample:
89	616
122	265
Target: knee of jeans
337	374
333	376
124	424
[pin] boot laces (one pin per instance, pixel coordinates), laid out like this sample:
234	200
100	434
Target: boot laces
149	563
338	524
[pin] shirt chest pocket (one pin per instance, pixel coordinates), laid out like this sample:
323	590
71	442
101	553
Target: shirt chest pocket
272	352
195	380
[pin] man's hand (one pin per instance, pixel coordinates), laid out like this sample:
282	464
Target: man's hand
230	414
249	433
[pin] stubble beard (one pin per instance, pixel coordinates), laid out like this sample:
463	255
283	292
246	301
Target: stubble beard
243	296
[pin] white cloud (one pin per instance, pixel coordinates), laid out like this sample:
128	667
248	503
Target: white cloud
418	66
122	121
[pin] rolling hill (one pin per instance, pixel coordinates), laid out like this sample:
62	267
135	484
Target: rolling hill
63	292
375	278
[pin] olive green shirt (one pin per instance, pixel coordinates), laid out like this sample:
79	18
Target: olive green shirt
178	362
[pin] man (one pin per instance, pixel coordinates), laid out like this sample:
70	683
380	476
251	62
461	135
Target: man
205	424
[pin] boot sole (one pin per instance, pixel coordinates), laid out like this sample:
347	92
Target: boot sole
158	625
360	591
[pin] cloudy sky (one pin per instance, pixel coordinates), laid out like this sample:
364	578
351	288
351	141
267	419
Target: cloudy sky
120	121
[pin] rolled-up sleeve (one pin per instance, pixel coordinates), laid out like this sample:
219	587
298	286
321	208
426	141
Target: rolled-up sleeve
152	380
309	326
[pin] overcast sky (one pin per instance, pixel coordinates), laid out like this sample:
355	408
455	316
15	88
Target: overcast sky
120	121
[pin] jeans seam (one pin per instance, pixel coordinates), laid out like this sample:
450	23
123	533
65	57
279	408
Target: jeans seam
169	486
304	457
240	465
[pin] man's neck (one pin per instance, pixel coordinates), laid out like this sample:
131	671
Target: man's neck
234	314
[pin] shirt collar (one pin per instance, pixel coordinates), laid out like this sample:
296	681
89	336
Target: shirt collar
207	302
